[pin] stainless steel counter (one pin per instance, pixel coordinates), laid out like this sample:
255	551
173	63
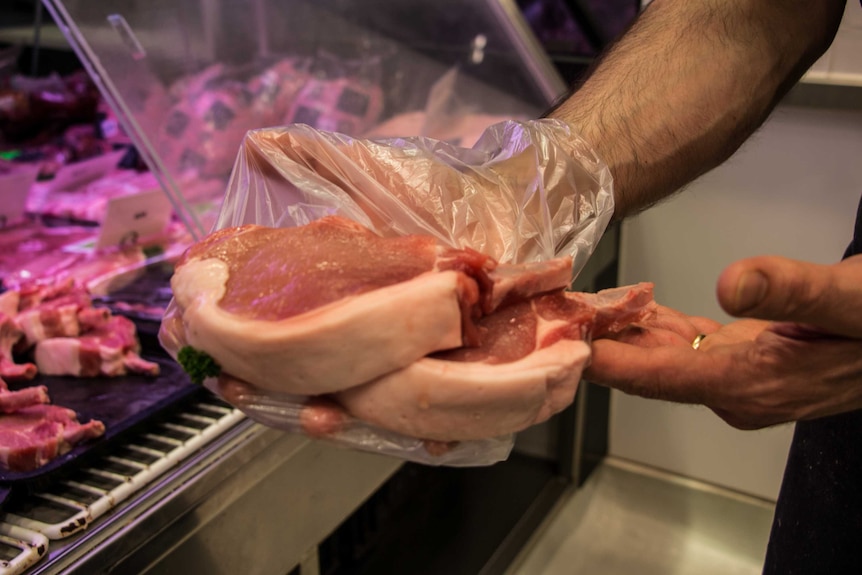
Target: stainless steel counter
819	94
629	518
254	501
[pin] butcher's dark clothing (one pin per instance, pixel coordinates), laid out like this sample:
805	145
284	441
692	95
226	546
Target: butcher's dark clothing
818	519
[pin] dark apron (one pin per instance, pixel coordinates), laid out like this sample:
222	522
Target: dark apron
817	527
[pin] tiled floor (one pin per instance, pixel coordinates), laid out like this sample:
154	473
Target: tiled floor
628	520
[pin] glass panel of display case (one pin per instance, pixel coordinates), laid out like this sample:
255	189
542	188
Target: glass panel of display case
188	79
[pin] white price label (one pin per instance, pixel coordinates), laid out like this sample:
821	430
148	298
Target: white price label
131	218
80	173
14	188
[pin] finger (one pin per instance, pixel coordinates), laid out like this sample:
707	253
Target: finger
642	336
321	417
233	390
315	416
782	289
735	332
704	325
679	374
668	319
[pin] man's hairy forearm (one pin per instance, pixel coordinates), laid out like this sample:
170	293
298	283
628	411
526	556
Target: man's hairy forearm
692	79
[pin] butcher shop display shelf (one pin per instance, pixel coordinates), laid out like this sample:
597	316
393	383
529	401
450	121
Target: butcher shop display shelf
201	516
19	549
72	503
188	79
68	504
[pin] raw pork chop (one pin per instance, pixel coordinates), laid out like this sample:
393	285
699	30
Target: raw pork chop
526	369
35	435
434	343
59	309
330	305
110	349
12	401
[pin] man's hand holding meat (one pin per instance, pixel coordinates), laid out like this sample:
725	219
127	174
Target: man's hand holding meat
796	356
430	352
429	342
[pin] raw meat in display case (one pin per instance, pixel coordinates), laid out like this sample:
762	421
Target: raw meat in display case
36	109
111	349
211	110
33	436
71	337
12	401
51	268
206	123
88	201
340	95
75	374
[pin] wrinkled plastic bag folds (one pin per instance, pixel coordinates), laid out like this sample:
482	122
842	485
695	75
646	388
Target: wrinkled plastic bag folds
526	191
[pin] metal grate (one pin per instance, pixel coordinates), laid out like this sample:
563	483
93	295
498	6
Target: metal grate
19	548
72	503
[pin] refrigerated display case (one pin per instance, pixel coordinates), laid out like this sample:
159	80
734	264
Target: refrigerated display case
188	79
575	32
198	486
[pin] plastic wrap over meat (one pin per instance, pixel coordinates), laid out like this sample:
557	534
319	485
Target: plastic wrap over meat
526	205
526	191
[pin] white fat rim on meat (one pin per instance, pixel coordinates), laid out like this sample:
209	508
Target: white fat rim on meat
461	401
336	346
54	359
33	327
62	356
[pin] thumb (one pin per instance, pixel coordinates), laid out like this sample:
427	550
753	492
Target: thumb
781	289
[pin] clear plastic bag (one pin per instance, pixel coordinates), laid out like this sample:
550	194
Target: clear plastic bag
292	414
526	192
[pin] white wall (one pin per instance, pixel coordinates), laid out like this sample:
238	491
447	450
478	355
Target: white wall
842	62
792	190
